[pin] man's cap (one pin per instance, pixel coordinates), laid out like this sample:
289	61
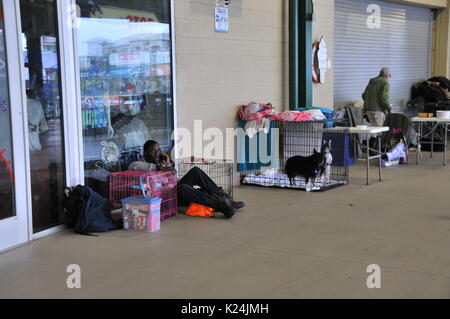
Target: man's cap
385	71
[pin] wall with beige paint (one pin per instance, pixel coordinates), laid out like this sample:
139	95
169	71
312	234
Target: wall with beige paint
218	72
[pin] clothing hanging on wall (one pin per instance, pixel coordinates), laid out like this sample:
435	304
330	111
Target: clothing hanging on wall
36	123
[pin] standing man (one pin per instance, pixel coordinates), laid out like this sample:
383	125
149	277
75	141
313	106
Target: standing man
376	98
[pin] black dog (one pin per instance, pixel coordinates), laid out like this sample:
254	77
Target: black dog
307	167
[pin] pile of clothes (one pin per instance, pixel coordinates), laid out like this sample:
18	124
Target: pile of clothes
431	95
397	155
258	116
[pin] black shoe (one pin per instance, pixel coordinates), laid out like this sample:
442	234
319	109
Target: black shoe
238	205
223	195
226	209
228	212
224	205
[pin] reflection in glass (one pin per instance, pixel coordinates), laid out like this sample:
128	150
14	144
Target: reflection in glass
124	52
6	169
45	126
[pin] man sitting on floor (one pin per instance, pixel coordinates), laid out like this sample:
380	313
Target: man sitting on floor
209	194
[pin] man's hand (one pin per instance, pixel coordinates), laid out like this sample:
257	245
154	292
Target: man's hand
167	169
165	158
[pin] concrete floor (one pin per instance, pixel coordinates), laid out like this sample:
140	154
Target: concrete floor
284	244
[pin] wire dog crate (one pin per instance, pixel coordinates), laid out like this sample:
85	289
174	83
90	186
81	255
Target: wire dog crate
297	142
220	171
156	184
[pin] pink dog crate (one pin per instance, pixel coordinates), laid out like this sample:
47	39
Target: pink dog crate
146	184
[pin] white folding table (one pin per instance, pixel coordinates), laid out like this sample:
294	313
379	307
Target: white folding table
369	131
435	122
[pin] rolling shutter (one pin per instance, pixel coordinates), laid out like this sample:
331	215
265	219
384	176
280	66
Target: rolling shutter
403	43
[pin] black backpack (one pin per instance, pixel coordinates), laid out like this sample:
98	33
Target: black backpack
73	204
86	211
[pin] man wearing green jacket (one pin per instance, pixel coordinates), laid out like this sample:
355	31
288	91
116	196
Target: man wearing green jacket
376	98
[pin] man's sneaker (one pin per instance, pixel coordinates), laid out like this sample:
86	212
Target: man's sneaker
221	194
224	205
238	205
228	211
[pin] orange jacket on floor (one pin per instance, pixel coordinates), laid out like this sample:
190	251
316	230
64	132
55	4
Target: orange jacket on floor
199	210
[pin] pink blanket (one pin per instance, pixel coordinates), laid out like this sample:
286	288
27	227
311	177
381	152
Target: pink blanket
291	116
255	111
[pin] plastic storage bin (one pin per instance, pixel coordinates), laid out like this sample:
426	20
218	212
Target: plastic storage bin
141	214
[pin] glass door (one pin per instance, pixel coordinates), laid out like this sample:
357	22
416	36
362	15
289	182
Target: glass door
13	187
39	35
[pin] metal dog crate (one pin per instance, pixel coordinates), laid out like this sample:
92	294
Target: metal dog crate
298	139
220	171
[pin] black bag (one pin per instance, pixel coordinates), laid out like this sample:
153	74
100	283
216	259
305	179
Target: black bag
86	211
73	204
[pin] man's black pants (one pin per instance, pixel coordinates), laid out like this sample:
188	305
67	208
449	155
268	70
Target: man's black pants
188	194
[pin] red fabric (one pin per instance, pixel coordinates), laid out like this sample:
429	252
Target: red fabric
267	110
291	116
269	113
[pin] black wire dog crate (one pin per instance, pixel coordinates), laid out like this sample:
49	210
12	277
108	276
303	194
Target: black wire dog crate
300	139
220	171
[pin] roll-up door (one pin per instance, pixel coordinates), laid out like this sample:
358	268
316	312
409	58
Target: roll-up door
402	41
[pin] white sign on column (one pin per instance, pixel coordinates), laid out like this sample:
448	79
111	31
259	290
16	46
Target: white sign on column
221	19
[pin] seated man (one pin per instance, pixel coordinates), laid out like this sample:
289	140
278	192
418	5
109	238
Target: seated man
209	194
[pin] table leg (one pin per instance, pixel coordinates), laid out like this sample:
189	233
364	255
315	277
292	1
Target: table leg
417	146
432	139
379	158
445	143
367	158
419	138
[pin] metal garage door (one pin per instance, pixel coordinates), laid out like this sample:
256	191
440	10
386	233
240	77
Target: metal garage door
403	43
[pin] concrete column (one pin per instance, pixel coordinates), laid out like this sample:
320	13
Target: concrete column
441	43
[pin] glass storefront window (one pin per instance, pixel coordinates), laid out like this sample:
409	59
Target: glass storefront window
124	50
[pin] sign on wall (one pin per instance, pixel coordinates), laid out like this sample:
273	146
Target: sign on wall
221	19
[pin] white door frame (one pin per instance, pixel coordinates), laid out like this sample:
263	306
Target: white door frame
15	230
70	85
174	78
